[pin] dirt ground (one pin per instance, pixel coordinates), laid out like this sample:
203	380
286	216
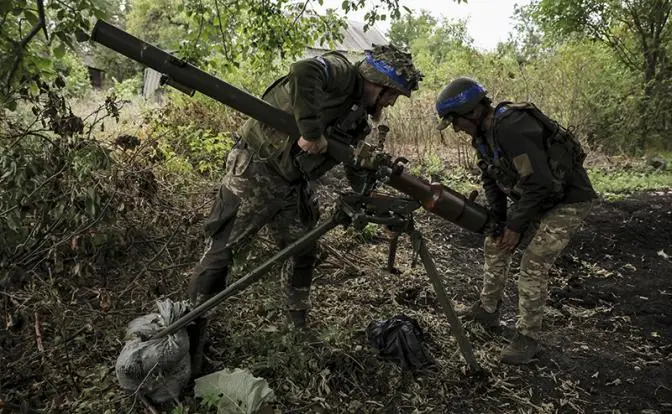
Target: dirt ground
607	334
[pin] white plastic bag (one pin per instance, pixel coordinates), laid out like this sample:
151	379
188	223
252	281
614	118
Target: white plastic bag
234	391
156	368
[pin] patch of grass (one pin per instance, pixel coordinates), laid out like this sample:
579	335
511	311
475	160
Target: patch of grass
617	183
613	182
434	168
430	165
462	181
369	232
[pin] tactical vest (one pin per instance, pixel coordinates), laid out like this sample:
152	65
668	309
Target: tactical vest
348	121
563	150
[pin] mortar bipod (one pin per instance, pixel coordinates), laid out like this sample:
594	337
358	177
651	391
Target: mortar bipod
397	214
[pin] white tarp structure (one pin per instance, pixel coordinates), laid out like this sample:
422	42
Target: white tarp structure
355	41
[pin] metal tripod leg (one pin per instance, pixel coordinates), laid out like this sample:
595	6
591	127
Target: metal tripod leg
392	254
446	304
251	277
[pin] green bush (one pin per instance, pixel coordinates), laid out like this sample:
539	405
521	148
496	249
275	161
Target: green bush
55	186
128	88
194	134
188	148
76	75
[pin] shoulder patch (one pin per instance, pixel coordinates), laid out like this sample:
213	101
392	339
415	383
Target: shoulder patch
523	165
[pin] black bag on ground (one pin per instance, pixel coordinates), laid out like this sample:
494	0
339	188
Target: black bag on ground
400	338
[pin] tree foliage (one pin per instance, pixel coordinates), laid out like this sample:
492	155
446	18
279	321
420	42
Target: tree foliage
637	31
33	36
433	42
412	27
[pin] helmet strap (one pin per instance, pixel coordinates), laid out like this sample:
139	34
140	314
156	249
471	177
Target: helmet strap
480	120
378	98
381	94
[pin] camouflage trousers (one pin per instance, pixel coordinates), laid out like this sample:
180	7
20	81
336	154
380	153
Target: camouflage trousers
252	196
547	238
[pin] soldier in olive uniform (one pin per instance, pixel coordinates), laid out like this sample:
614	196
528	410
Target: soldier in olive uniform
267	175
531	160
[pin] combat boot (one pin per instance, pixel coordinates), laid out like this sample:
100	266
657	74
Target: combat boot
478	314
297	319
198	335
521	350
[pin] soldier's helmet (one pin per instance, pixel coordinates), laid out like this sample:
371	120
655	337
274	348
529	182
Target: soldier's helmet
388	66
458	98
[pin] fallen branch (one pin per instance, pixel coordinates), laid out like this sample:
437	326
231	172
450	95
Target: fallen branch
84	328
339	256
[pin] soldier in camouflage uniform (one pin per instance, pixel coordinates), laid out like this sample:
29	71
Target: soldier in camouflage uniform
268	172
531	160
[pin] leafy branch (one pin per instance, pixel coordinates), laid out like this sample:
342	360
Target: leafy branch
19	47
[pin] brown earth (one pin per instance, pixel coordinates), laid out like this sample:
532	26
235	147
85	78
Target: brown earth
607	334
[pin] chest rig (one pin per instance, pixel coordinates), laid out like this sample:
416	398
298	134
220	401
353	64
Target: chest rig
563	151
493	162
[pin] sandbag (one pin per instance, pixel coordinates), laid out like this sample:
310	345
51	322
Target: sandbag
156	368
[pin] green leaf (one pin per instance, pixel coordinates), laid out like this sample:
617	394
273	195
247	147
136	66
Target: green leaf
34	89
59	51
100	13
11	105
42	63
31	17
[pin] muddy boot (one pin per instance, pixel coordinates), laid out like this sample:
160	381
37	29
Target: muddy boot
478	314
521	350
297	319
198	335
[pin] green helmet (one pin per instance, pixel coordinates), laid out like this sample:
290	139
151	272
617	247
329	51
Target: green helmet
458	98
388	66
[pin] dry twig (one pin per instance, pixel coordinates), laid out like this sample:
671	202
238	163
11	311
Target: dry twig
147	404
38	333
146	267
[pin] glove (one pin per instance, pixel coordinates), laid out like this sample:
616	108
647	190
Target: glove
498	222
